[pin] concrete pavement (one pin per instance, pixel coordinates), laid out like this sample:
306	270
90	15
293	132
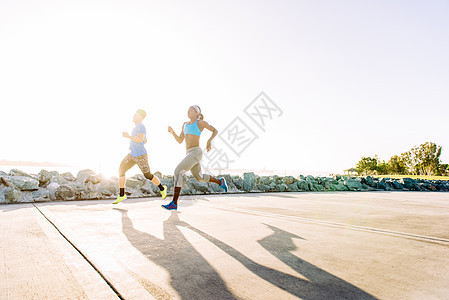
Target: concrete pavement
251	246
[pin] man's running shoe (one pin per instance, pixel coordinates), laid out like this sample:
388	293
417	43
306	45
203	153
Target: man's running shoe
223	184
164	192
119	199
170	206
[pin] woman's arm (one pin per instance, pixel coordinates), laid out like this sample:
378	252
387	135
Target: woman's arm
204	124
179	138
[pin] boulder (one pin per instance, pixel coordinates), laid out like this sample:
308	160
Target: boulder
2	195
397	185
292	187
353	185
289	180
84	174
370	181
58	179
339	186
303	185
108	187
23	183
44	176
263	187
281	187
408	183
264	180
65	192
51	188
12	195
238	182
158	174
133	183
198	186
68	176
249	181
41	194
16	172
97	178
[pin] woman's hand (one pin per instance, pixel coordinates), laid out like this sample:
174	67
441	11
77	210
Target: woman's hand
125	134
170	130
209	145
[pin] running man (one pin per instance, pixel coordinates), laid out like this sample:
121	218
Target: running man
191	132
138	155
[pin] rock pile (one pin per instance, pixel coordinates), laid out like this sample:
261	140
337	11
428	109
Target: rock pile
20	187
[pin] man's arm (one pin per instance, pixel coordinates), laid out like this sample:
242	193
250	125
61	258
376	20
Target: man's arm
138	139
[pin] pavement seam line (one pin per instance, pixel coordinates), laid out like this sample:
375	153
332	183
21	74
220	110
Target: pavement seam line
335	224
83	255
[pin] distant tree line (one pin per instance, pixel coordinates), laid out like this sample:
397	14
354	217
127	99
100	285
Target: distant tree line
420	160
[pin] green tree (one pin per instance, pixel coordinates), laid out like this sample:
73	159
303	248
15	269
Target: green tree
383	167
367	165
397	165
423	159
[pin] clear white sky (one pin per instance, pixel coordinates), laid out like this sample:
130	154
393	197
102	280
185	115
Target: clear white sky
353	78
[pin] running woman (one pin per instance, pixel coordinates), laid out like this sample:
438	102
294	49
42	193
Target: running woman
191	132
138	155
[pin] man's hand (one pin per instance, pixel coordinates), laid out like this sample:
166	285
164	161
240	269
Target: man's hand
170	130
126	134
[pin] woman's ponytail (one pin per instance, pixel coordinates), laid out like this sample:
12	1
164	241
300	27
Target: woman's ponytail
200	117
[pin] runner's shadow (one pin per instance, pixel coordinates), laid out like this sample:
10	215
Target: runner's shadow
324	284
321	285
193	277
190	274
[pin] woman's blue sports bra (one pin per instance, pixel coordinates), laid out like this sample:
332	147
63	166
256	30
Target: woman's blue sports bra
192	129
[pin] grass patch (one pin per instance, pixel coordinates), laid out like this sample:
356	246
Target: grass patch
413	176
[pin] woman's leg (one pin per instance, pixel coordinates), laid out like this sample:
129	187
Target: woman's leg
196	172
186	164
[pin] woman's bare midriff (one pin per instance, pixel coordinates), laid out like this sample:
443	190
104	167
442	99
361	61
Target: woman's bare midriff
192	141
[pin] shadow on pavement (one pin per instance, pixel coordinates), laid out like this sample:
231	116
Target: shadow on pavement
193	277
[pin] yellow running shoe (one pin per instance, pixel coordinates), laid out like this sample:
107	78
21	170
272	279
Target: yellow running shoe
119	199
164	192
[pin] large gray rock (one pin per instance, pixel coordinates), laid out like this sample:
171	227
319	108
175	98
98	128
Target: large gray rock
133	183
303	185
41	194
249	181
370	181
16	172
2	195
68	176
65	192
263	187
353	185
238	182
58	179
265	180
289	180
158	174
339	186
51	188
23	183
397	185
200	187
292	187
108	187
44	176
12	195
408	183
83	175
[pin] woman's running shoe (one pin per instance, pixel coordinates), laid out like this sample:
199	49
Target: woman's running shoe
223	184
170	206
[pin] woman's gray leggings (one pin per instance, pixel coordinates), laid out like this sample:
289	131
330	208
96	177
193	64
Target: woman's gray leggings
191	162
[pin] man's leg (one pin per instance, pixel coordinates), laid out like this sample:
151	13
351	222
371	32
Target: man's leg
127	163
142	162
